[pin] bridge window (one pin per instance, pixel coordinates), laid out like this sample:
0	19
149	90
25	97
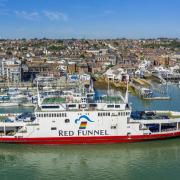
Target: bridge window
110	106
117	106
53	128
72	105
50	107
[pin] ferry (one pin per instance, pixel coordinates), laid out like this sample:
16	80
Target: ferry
76	119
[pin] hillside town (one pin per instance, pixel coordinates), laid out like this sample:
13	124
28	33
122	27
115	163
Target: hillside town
23	60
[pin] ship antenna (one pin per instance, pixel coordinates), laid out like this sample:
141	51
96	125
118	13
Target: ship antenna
108	86
38	96
127	94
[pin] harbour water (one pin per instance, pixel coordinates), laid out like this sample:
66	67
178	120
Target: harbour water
148	160
171	90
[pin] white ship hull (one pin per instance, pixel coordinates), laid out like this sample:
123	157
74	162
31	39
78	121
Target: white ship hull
90	127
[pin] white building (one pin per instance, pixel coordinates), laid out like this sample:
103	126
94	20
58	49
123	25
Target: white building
116	75
10	69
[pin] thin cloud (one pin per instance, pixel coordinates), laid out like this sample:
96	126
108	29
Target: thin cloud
55	15
27	15
3	8
3	3
108	12
4	12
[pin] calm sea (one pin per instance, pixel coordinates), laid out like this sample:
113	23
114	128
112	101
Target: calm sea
149	160
137	161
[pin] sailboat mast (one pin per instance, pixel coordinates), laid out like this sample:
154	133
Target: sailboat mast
38	95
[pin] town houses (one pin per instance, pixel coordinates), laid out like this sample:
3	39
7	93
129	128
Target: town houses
117	59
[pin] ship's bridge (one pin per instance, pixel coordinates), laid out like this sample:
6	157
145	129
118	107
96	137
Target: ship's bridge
67	104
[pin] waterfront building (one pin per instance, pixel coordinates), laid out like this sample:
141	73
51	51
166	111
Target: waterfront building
10	70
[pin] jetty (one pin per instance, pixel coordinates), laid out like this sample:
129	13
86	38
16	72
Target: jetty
141	82
138	90
156	98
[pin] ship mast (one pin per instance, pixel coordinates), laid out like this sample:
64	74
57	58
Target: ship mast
127	94
38	95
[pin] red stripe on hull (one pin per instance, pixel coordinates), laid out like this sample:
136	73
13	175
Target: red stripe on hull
89	140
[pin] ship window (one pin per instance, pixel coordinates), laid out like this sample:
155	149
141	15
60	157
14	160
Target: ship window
104	114
123	113
72	105
67	120
108	113
110	106
54	128
65	115
119	114
99	114
92	105
50	107
117	106
62	115
126	113
55	115
49	115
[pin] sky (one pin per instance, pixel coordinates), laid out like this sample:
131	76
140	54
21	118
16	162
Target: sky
89	18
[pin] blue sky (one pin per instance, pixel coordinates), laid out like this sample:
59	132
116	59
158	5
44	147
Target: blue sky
89	18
